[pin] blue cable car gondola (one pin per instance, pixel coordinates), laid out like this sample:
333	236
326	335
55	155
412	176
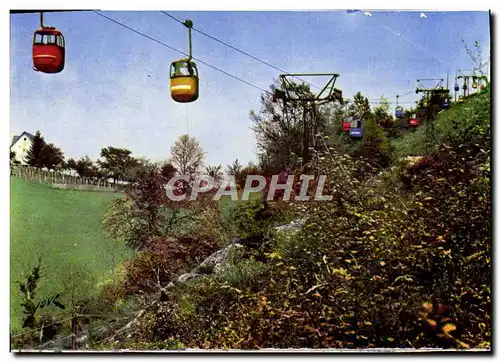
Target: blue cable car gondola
356	130
399	112
457	87
398	109
356	133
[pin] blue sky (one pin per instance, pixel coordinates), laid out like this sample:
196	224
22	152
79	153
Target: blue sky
114	88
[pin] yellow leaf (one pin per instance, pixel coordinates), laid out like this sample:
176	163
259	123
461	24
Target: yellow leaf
274	255
372	238
431	322
448	327
382	263
462	344
427	306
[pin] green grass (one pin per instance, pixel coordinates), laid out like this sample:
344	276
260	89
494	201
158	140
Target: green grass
449	124
63	228
225	202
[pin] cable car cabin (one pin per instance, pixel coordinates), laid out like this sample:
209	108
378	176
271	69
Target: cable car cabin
48	50
346	126
356	133
457	88
413	122
399	112
445	104
184	82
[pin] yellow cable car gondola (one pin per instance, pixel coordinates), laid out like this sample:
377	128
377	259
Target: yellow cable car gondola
474	82
184	81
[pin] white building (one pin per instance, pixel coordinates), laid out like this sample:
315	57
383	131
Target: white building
21	146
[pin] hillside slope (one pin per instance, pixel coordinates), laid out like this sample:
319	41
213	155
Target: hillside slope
62	227
459	124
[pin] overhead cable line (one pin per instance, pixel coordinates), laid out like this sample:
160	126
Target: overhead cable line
197	59
179	51
239	50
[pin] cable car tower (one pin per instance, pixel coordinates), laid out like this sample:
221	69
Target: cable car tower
435	99
289	95
467	75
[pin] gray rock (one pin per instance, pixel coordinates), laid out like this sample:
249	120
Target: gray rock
187	276
217	262
293	226
214	264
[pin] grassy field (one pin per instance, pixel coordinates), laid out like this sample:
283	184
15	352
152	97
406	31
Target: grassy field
63	228
475	112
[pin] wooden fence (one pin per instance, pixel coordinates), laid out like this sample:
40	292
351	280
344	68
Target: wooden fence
61	181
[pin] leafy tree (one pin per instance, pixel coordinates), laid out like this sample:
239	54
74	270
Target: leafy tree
278	127
51	156
476	56
71	164
234	169
187	155
215	172
42	154
360	107
35	154
116	162
250	169
84	167
138	168
381	113
146	212
375	147
167	171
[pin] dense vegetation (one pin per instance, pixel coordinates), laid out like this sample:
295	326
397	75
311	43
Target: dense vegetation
400	257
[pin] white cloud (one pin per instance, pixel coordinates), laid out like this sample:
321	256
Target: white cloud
367	13
422	15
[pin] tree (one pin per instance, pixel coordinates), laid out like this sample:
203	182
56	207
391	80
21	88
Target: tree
71	164
187	155
167	171
138	168
250	169
476	57
375	147
278	128
116	162
34	155
51	156
234	169
215	172
147	212
381	113
360	106
85	167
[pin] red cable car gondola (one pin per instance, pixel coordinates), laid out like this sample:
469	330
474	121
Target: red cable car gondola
346	124
413	122
48	49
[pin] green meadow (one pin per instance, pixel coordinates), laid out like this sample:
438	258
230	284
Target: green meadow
62	227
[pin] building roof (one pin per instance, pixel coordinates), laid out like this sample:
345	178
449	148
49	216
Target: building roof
27	134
